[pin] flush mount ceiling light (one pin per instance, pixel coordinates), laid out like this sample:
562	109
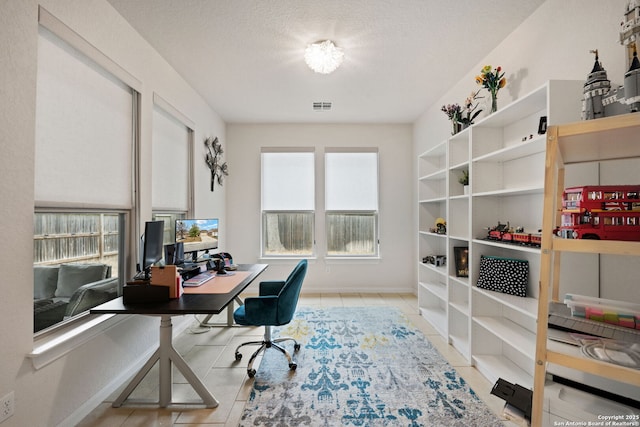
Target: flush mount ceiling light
323	57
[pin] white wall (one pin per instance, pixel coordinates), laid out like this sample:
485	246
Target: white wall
58	391
394	271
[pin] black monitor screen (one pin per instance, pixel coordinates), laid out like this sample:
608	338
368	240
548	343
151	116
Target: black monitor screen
152	249
197	234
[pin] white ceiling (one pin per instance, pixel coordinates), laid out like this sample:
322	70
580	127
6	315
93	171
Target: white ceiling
245	57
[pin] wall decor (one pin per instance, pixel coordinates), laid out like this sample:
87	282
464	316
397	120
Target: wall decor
214	160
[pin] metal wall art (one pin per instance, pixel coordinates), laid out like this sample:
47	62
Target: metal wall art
214	160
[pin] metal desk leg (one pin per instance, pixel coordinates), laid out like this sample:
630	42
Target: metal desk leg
166	354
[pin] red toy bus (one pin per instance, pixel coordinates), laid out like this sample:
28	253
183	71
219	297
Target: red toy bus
601	212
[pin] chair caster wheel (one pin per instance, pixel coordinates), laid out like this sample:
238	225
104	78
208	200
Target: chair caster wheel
238	357
293	366
296	346
251	373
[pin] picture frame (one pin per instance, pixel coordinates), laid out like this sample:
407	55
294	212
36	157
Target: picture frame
461	254
542	125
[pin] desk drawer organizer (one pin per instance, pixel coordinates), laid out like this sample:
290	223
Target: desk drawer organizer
619	313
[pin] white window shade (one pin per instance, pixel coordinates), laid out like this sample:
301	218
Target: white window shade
351	181
84	130
288	181
170	162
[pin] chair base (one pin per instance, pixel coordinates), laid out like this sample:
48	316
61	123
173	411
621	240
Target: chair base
266	343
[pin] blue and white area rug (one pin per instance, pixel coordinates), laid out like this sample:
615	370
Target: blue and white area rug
360	367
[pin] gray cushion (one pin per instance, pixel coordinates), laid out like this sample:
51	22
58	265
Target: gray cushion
45	281
91	295
72	276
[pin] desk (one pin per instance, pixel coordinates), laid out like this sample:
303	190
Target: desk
200	300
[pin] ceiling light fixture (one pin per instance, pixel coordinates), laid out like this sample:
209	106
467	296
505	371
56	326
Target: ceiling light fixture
323	57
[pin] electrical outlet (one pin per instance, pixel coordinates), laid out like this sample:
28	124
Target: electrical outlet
6	406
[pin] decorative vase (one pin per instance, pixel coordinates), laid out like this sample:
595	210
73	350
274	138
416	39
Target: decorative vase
494	102
465	190
457	127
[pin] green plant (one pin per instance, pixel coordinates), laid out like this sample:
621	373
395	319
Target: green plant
464	179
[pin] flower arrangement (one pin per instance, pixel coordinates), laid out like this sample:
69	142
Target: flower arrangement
454	113
493	80
469	111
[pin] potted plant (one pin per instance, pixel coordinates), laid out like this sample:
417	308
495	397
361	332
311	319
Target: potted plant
464	180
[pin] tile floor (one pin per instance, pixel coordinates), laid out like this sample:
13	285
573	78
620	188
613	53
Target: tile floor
210	353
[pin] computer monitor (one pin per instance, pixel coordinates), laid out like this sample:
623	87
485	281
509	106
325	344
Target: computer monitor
174	253
197	235
152	245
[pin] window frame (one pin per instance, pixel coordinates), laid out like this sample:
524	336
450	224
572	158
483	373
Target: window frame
45	341
374	212
124	251
264	254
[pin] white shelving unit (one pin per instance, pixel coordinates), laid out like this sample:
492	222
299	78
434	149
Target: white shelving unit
505	158
609	140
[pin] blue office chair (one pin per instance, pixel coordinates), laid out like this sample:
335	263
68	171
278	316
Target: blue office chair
274	306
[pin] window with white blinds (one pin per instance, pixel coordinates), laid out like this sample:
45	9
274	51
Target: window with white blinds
288	202
351	202
84	130
85	138
171	142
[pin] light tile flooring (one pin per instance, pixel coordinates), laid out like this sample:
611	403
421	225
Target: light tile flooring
210	354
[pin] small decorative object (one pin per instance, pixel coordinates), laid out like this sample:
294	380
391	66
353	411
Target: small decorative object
506	275
436	260
542	126
464	180
600	99
469	112
454	113
493	81
214	160
441	226
461	254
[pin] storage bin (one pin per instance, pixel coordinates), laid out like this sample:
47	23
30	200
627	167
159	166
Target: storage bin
619	313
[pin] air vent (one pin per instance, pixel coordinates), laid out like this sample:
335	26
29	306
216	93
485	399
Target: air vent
321	106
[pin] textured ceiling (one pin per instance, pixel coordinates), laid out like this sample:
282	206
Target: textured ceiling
245	57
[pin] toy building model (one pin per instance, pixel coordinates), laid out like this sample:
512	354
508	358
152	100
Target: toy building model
599	99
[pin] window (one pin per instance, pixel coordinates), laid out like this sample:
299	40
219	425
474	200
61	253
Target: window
77	259
172	149
172	172
351	201
288	202
86	130
169	219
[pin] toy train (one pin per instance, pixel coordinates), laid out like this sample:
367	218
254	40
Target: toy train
503	233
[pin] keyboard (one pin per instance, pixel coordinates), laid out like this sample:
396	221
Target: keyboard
560	318
200	279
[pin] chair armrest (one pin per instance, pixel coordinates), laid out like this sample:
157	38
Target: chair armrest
271	287
261	310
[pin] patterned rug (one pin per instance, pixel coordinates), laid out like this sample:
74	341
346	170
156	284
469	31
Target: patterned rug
360	367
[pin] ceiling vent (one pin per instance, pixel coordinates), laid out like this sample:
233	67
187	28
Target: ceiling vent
321	106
